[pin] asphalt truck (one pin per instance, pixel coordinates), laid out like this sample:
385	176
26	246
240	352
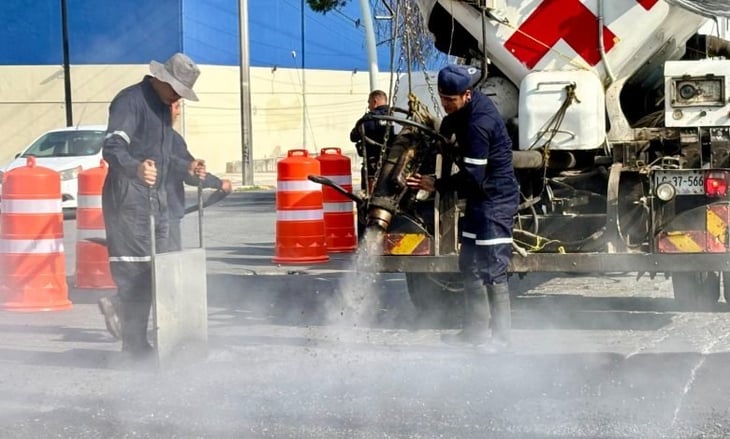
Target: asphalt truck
619	113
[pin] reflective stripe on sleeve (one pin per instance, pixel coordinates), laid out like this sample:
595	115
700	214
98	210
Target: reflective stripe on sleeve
89	202
297	185
34	246
299	215
121	134
473	161
52	205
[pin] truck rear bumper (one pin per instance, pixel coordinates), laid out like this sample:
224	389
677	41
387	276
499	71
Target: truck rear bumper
560	263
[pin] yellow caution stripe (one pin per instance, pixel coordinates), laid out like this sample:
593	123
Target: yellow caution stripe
407	244
717	224
682	242
713	239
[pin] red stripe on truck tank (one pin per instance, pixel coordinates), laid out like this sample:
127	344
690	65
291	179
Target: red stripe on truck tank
648	4
555	20
567	20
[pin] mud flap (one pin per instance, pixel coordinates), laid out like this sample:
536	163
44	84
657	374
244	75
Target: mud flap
180	307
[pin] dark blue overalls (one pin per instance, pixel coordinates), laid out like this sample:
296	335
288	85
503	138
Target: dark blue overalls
487	181
376	130
139	128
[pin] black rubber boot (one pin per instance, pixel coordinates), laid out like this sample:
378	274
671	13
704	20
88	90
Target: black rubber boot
501	313
110	309
134	330
476	316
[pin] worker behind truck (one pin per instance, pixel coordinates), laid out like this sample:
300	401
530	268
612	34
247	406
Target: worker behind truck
376	133
138	148
176	181
486	179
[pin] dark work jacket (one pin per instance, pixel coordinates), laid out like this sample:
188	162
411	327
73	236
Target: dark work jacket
174	186
486	178
376	130
139	128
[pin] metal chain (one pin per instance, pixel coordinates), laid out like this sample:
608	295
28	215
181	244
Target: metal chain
405	30
416	18
394	94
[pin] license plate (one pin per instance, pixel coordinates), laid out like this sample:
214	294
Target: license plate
686	182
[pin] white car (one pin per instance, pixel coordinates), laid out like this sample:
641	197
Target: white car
67	151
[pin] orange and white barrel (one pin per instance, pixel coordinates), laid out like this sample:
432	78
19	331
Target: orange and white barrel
32	260
339	211
92	256
299	215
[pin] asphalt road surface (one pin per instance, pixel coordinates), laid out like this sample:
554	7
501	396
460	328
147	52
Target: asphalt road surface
328	352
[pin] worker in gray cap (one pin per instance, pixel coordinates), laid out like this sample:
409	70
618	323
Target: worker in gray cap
138	148
486	179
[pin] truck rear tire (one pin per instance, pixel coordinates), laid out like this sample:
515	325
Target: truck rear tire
696	291
437	297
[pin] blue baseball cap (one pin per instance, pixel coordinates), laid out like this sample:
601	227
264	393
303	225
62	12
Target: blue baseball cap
455	79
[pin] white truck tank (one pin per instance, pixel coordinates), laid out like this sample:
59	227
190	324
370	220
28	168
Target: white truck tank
582	124
563	34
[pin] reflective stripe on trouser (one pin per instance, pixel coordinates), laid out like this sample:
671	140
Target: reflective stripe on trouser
128	242
486	246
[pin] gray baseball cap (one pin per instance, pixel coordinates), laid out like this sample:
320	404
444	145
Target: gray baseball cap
180	72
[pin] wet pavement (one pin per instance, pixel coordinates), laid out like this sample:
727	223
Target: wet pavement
323	351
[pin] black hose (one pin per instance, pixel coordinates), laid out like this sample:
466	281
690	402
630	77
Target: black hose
327	182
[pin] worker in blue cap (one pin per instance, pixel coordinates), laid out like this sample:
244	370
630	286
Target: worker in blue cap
486	179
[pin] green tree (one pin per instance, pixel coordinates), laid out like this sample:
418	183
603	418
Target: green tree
325	6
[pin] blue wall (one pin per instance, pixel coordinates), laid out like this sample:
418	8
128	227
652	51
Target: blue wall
28	35
136	31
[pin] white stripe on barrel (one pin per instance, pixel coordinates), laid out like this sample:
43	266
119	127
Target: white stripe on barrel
31	246
298	186
344	207
89	202
52	205
82	234
299	215
342	180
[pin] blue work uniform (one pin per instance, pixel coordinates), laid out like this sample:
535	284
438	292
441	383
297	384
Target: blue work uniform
486	179
175	188
376	130
139	128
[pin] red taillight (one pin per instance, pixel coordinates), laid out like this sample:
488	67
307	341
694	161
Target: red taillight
716	184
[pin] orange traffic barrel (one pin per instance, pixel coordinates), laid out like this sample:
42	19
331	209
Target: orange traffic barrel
32	262
299	216
92	257
339	213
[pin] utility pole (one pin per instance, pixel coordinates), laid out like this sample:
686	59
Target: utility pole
367	19
246	141
66	66
304	90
